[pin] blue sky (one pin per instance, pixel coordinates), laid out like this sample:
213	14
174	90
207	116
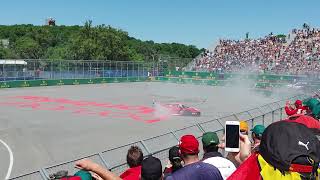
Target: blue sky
197	22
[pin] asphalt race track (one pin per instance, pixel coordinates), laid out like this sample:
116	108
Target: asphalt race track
48	125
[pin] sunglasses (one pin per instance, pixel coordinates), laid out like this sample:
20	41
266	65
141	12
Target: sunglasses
244	132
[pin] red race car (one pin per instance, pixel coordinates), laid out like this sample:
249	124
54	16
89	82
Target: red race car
178	109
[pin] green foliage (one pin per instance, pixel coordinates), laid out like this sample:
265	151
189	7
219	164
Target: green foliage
84	43
281	36
27	47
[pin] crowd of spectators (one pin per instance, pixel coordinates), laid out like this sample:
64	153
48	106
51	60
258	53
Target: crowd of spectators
296	53
287	149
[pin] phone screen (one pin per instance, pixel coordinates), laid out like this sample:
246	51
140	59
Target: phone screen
232	136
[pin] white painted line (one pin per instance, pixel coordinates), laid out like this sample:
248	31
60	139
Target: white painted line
11	159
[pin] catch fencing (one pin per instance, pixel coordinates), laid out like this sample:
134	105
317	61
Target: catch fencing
12	70
158	146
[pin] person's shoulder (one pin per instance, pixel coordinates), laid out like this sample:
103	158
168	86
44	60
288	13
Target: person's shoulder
131	173
219	161
169	177
205	165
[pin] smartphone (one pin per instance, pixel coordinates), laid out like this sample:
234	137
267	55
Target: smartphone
232	131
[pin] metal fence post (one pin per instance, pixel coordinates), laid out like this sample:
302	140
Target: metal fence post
97	75
252	123
200	128
34	71
249	114
109	73
272	116
143	70
138	72
220	123
127	71
103	69
104	161
145	147
76	75
116	69
236	117
175	136
15	70
83	75
60	69
121	64
44	174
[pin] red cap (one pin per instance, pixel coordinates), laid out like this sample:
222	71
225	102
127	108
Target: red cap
189	145
298	102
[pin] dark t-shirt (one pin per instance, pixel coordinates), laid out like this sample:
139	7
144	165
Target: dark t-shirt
196	171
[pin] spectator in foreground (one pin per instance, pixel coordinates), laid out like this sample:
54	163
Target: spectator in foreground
193	169
313	105
175	162
151	169
211	155
134	160
288	150
257	132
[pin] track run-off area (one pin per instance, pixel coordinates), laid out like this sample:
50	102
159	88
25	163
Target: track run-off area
42	126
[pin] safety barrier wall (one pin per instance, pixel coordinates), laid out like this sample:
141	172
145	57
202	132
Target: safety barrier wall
115	159
223	76
60	82
217	82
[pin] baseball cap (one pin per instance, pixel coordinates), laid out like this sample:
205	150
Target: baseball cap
258	129
189	145
314	106
151	168
286	143
298	102
174	153
209	138
244	126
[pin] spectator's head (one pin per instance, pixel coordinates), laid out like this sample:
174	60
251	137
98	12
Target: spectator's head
244	128
189	149
314	106
175	158
134	156
151	169
298	103
257	132
210	141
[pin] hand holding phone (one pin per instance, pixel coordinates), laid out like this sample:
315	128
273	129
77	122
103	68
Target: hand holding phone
232	132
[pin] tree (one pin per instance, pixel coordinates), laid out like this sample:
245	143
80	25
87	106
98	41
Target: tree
28	48
85	42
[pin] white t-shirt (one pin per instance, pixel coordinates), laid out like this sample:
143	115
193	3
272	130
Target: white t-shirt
225	166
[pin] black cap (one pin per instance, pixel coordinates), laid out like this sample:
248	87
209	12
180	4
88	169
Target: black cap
174	153
151	168
284	142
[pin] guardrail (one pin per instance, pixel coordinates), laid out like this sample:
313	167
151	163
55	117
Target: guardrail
158	146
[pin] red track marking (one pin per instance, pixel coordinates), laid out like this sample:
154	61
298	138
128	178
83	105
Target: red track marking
117	111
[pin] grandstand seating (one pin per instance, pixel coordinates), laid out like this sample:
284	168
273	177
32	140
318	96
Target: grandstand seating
298	53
